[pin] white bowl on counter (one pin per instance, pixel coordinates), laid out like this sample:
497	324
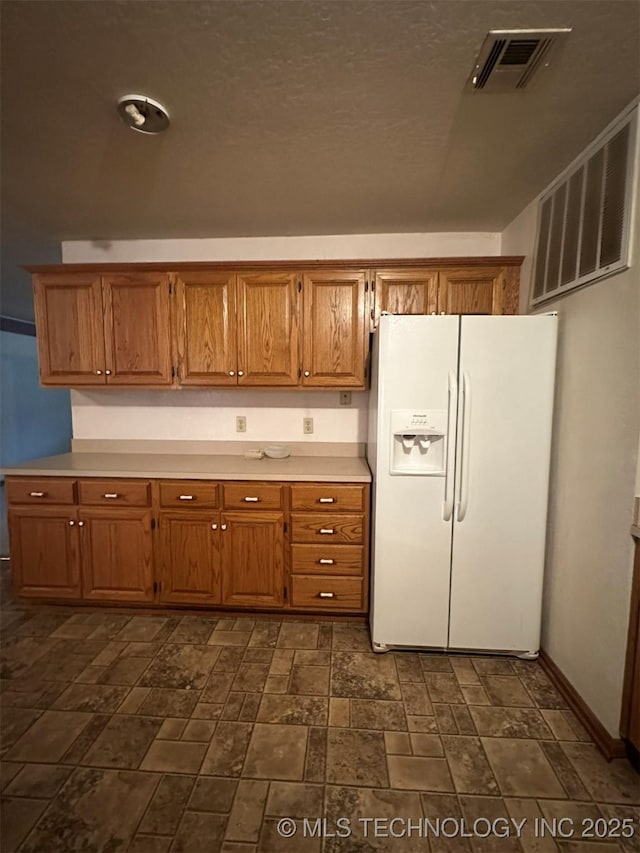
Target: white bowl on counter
277	451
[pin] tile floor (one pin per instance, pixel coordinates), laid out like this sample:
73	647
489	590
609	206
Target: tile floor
152	733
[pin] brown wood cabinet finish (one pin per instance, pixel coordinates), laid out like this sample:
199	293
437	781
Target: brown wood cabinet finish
45	552
40	490
471	291
406	292
68	312
191	542
268	329
206	328
114	492
252	559
138	348
326	593
333	331
117	554
188	494
189	557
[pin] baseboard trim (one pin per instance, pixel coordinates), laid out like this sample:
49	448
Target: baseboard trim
610	747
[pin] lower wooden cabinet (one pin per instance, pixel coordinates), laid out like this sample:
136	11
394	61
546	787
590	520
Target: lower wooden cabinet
117	554
189	557
252	559
243	545
45	552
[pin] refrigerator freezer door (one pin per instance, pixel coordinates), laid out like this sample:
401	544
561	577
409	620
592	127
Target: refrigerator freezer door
415	363
507	368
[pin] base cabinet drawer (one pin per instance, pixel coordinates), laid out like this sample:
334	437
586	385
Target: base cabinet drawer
327	559
326	593
115	492
188	494
49	490
314	497
252	496
327	528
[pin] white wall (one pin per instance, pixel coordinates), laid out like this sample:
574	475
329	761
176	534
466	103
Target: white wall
332	247
271	415
593	477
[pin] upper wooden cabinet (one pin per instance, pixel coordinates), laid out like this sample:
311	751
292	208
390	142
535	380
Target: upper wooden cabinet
206	328
471	290
405	291
334	329
69	319
268	340
113	330
230	325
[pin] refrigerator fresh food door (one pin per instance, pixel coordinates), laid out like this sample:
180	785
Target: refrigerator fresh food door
506	386
413	405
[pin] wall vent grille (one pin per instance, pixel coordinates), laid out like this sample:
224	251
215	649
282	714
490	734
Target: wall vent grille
584	217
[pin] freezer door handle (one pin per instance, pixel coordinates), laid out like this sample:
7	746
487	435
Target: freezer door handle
451	448
466	440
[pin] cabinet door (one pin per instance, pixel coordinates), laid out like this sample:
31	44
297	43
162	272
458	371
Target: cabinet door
334	340
474	290
406	292
252	558
70	336
116	554
189	557
44	552
206	328
137	329
268	340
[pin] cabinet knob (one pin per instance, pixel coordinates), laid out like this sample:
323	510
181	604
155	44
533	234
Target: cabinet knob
99	372
443	312
223	526
214	526
306	373
241	373
71	523
108	372
81	524
232	373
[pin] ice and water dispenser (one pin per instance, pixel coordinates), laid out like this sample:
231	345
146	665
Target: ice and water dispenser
418	442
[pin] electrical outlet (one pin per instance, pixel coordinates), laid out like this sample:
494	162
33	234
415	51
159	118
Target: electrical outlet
241	423
307	426
345	398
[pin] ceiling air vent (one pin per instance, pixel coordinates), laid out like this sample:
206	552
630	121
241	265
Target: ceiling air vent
509	59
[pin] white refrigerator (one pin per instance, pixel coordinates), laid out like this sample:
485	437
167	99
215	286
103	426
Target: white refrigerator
459	445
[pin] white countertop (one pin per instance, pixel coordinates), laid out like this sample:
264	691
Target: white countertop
193	467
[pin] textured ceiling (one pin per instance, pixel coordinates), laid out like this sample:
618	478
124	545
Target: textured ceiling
294	117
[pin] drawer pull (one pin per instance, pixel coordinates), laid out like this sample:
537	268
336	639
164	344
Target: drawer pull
251	500
111	495
326	530
326	500
326	595
185	497
326	562
37	494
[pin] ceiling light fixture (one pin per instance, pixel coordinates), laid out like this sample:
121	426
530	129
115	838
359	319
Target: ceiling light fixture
143	114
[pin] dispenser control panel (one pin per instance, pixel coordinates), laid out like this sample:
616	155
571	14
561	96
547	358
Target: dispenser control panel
418	442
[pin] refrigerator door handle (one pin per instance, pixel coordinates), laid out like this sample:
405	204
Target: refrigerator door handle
466	440
451	448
